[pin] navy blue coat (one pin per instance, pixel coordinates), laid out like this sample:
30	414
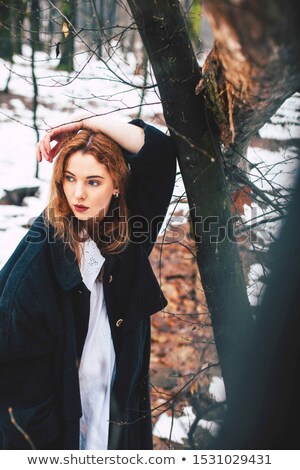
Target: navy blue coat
44	314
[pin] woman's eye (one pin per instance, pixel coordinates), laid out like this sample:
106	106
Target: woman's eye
69	178
94	183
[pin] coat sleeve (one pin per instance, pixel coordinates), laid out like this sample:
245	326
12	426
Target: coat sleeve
27	320
153	172
26	360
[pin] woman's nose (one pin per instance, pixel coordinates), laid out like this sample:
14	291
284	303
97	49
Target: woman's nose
79	191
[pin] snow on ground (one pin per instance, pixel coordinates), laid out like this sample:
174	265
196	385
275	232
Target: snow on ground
256	286
180	426
278	168
285	121
217	389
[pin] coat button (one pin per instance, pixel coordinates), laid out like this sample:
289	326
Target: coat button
119	322
110	279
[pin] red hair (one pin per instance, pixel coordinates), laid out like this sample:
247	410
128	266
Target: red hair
110	237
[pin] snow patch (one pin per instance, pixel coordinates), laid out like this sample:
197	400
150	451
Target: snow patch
217	389
256	287
181	426
210	426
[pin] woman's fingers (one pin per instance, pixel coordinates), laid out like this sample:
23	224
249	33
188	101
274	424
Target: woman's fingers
47	140
43	149
59	134
38	153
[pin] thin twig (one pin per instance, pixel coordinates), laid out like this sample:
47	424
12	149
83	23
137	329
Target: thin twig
18	427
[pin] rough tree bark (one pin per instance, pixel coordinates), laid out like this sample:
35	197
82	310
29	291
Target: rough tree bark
166	40
254	66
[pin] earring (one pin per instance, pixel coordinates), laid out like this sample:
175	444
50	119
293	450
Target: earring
116	195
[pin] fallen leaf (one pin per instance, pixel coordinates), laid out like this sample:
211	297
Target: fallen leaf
239	198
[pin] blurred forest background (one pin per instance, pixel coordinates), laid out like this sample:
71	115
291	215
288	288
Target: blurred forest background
236	124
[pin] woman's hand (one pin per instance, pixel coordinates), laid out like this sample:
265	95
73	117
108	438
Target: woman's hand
60	134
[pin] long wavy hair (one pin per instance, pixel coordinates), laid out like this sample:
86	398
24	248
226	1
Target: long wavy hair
110	233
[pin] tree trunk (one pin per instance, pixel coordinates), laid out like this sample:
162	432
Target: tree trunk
18	12
6	49
166	40
98	12
254	66
35	22
67	45
112	13
34	36
50	28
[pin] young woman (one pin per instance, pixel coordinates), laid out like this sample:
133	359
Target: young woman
78	292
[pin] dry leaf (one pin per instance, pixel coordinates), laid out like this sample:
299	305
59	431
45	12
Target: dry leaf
195	387
239	198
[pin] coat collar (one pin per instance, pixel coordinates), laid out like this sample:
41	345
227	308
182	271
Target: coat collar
64	261
64	264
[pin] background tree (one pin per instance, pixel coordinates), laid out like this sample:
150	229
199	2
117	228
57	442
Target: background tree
18	9
34	19
68	24
11	26
7	49
35	24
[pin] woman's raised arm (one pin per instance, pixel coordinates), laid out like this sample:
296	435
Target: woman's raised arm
130	138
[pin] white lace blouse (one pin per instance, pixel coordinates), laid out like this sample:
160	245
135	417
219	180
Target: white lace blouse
98	357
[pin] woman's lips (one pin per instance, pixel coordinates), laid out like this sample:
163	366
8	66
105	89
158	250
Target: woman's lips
80	208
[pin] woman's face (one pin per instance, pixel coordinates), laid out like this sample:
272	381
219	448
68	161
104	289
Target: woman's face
88	186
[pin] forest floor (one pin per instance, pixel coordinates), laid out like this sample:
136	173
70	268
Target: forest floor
186	382
182	347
